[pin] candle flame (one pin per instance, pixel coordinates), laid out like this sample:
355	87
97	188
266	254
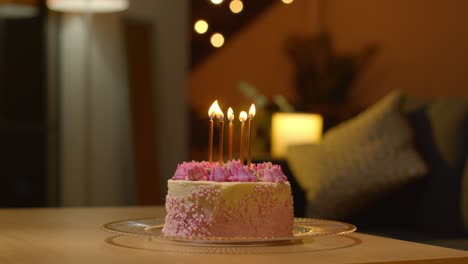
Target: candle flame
219	112
230	114
212	110
252	111
243	116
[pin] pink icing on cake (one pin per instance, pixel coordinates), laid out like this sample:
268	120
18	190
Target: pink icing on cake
233	202
232	171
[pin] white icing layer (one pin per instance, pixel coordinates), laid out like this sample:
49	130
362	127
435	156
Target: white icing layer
228	209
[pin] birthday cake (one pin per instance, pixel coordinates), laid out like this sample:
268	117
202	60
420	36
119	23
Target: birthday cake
231	200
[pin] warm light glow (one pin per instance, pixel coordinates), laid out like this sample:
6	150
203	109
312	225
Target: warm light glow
219	112
212	110
230	114
243	116
287	1
236	6
217	40
216	2
201	26
292	129
252	111
94	6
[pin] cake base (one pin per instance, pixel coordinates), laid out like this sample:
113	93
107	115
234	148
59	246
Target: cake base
228	209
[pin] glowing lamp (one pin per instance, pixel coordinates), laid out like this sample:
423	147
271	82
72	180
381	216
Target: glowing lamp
292	129
93	6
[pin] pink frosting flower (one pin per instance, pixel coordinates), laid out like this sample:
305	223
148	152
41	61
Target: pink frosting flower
261	166
196	172
180	172
245	175
272	173
233	167
219	174
233	171
240	173
193	170
208	166
268	172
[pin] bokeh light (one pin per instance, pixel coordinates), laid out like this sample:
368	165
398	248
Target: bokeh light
217	40
236	6
201	26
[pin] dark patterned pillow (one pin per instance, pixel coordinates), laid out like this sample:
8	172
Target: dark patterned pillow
358	161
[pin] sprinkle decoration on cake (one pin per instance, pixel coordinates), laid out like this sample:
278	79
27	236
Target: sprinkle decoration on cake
209	199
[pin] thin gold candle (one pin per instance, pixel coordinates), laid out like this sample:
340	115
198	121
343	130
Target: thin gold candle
249	152
211	115
242	118
220	116
230	114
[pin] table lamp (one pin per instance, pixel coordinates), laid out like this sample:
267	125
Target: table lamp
292	129
83	11
94	6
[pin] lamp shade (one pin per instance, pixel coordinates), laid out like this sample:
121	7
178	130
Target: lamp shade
292	129
93	6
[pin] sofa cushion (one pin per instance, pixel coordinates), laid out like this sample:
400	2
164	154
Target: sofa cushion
449	119
438	203
440	130
358	161
435	200
464	196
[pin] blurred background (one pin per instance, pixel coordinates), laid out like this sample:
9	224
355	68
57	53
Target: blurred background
101	99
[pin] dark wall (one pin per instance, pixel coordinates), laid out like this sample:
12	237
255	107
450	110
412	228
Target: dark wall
23	147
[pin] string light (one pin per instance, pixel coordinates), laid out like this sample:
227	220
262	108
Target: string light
236	6
217	40
201	26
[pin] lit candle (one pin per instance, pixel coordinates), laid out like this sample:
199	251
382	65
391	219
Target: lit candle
220	116
242	118
230	115
251	116
211	115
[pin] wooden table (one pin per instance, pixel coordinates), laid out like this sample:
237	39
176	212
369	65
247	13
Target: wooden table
73	235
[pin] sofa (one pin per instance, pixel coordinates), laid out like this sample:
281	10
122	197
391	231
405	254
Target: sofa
399	169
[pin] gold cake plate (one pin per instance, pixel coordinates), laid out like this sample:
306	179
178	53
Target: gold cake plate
302	228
